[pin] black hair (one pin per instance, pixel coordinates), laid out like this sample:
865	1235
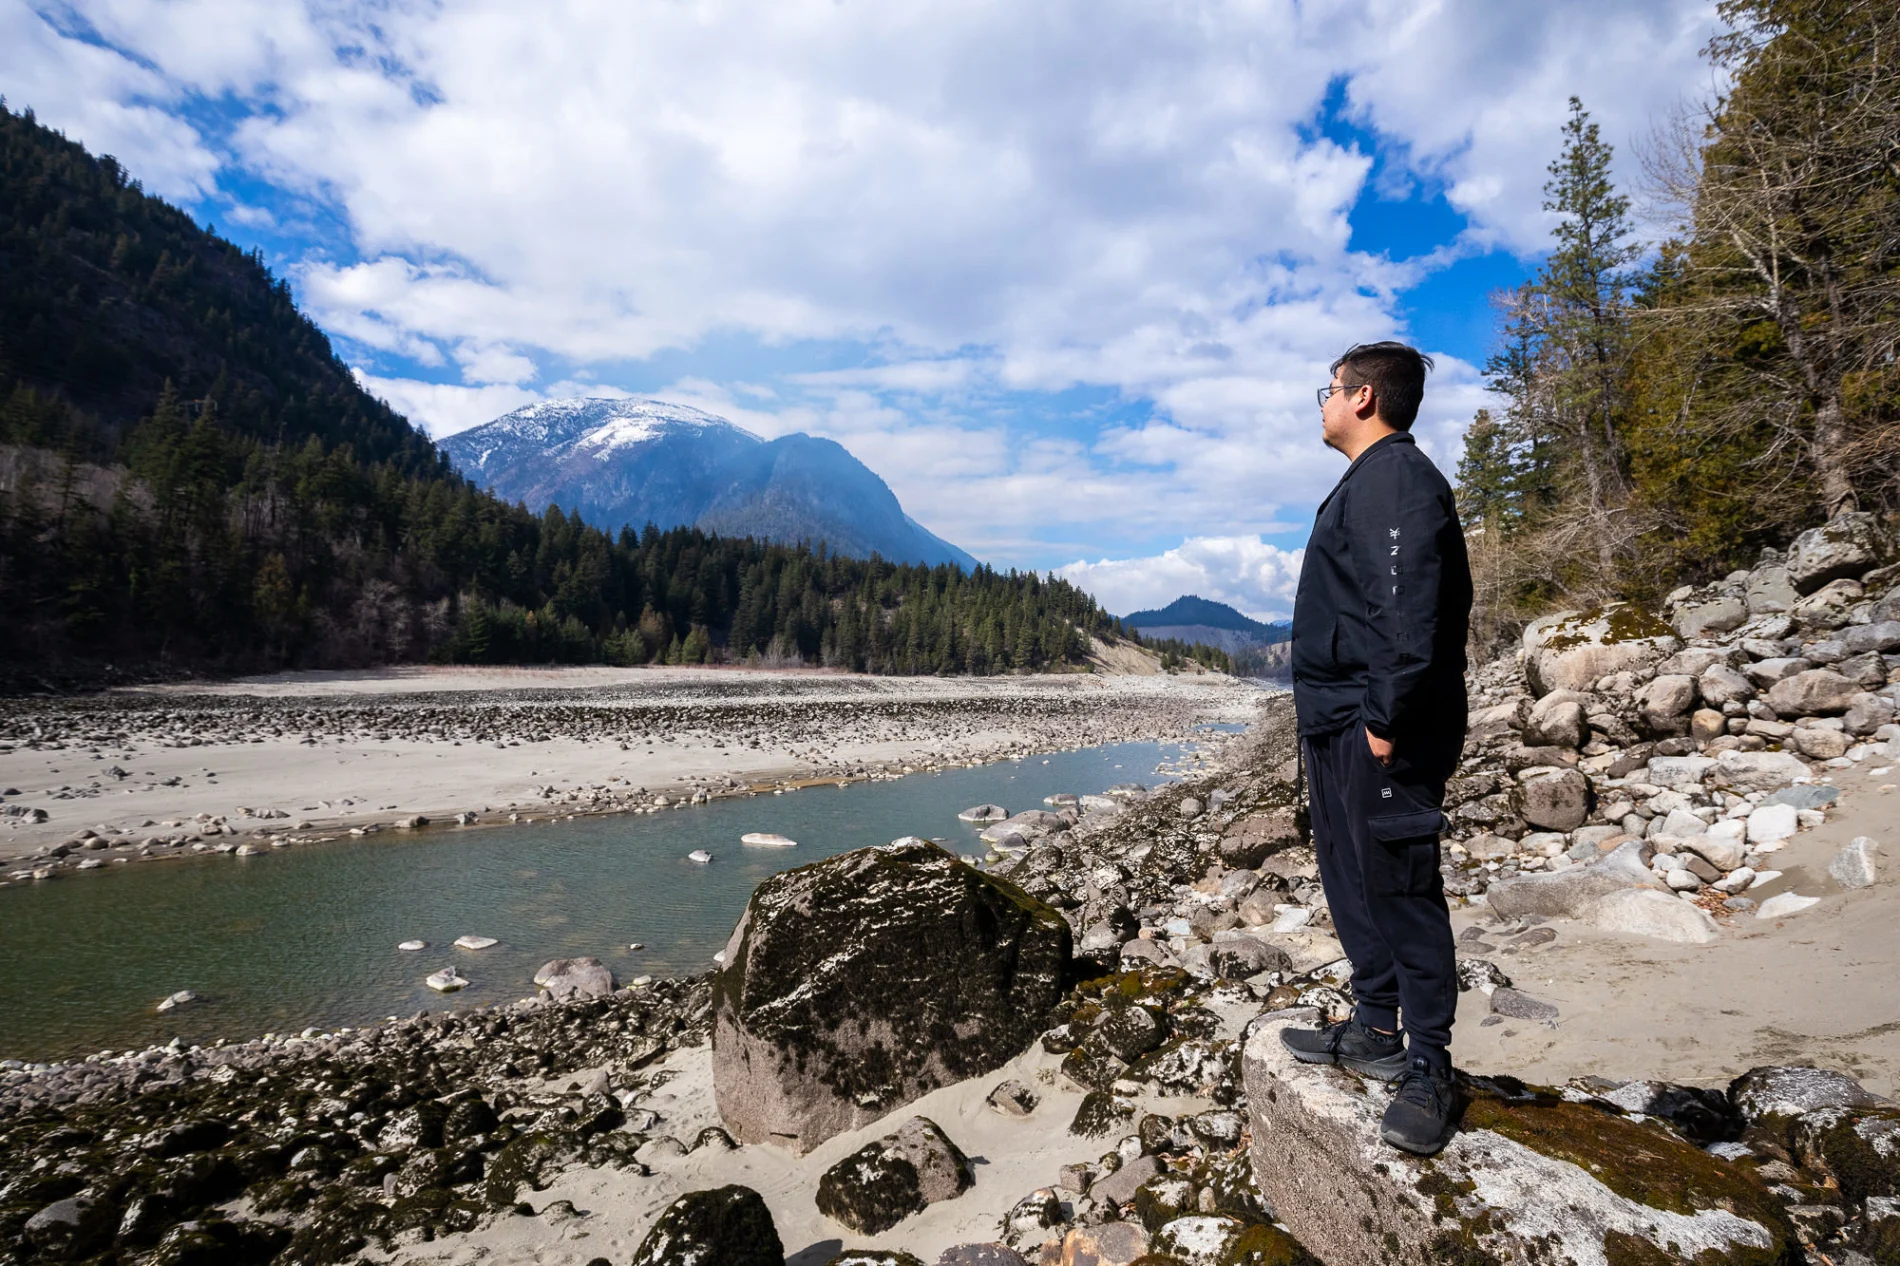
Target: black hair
1396	374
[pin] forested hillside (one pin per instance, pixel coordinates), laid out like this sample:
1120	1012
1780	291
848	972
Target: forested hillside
1670	413
191	479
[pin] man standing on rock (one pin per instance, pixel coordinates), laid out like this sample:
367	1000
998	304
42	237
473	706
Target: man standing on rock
1379	627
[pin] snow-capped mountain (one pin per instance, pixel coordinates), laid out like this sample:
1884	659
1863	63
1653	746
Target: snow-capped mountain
621	463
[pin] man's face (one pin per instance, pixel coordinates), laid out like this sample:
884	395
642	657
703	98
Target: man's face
1339	416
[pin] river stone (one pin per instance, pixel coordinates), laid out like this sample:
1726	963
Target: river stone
1845	548
1570	894
1806	796
1720	684
1792	1090
1572	650
859	983
1722	615
1505	1188
1254	838
1783	904
1028	824
984	813
1648	912
882	1183
575	978
1665	703
1769	591
1812	692
1853	866
1757	771
1772	822
728	1226
1816	743
1558	800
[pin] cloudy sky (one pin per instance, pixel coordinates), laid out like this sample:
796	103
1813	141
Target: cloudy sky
1064	273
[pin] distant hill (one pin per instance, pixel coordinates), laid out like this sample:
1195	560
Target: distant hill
1195	619
626	463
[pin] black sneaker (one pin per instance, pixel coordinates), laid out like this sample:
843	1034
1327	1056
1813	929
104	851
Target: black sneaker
1349	1044
1420	1115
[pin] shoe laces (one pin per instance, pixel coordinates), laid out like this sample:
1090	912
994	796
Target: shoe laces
1424	1087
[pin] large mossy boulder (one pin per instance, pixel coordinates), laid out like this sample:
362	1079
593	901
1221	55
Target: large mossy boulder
728	1226
1531	1175
862	982
1571	650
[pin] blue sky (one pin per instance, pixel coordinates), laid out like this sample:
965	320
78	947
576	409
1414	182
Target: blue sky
1064	274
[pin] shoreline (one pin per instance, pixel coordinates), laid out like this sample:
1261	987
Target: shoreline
154	772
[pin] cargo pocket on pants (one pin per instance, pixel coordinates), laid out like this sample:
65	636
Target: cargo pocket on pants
1404	861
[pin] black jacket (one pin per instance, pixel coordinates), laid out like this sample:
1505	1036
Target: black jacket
1384	605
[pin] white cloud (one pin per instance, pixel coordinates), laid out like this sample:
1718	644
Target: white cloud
1245	572
989	198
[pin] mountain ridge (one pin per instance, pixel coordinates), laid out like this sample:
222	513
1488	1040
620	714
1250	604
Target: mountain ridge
629	462
1192	610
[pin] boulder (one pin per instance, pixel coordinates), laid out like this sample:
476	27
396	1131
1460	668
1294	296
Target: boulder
1769	591
1879	638
1766	672
1721	848
1783	904
1572	650
1556	799
1845	548
1498	719
1665	703
1679	771
575	978
1721	615
1866	713
990	1254
1258	836
1720	684
728	1226
856	984
882	1183
1816	743
1792	1090
1853	866
1812	692
1556	721
1648	912
1757	771
1110	1244
983	813
1529	1176
1771	822
1571	894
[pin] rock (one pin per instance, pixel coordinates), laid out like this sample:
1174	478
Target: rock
1812	692
1880	637
1665	701
1866	713
1650	912
1237	955
1680	771
1807	796
1757	771
412	946
1853	866
1258	836
881	1184
1572	650
1514	1005
475	942
1845	548
765	839
1528	1177
1029	824
448	980
1706	725
1012	1099
699	857
1110	1244
1772	822
1723	615
984	813
1720	684
1783	904
1817	743
1769	591
856	984
728	1226
1679	824
414	822
1792	1090
1722	849
75	1227
981	1255
1557	721
576	978
173	1001
1199	1239
1189	807
1571	894
1498	719
1487	847
1558	800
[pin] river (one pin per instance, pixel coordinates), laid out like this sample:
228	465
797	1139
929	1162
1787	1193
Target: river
308	936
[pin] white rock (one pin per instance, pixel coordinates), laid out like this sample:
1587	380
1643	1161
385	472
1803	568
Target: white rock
1783	904
448	980
1680	771
1724	852
1764	877
1682	881
1736	880
1853	866
1646	912
700	856
1772	822
413	945
475	942
1682	822
178	999
765	839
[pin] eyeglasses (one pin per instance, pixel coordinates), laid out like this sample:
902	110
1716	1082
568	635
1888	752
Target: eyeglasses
1325	393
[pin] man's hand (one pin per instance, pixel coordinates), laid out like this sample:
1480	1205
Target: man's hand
1381	749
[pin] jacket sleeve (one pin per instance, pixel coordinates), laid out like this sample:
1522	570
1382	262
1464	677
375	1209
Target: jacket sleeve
1395	523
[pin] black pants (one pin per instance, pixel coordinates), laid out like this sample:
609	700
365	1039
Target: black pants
1375	829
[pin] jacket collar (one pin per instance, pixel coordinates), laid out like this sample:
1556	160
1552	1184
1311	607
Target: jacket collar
1384	441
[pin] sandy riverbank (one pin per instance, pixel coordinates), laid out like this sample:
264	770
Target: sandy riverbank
298	756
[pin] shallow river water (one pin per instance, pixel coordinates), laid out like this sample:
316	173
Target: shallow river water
308	936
